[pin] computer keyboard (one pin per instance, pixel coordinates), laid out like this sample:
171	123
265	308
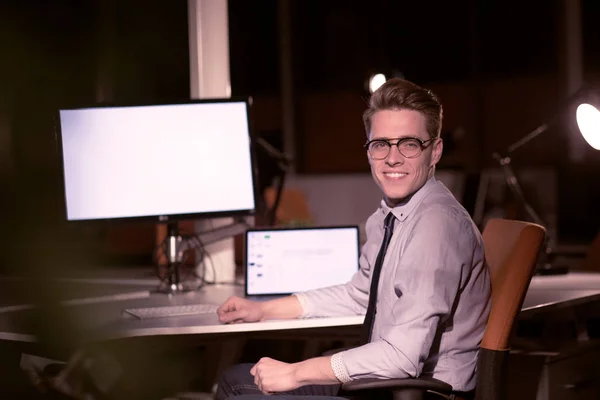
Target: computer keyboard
172	311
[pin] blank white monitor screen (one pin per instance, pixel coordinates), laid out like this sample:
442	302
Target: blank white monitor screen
157	160
284	261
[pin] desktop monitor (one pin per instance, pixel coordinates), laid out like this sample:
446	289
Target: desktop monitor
160	162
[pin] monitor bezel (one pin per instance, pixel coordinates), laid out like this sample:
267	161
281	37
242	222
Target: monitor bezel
163	219
290	228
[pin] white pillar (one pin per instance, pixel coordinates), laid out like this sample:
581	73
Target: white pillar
209	49
210	78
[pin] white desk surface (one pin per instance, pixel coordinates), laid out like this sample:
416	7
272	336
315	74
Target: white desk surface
548	292
105	320
572	280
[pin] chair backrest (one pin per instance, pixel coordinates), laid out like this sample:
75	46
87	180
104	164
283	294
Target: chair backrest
511	251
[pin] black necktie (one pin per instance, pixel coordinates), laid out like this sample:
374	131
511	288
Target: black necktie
388	227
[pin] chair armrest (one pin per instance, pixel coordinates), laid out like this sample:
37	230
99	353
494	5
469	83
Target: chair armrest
424	383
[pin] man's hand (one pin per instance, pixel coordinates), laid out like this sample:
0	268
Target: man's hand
236	309
274	376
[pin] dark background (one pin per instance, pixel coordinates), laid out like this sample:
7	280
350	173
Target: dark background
498	67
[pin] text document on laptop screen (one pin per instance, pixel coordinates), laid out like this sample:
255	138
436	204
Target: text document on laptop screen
283	261
157	160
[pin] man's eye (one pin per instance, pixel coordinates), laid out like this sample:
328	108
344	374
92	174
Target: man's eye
379	145
410	144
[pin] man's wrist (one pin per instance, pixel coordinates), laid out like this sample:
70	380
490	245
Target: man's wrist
314	371
299	375
284	308
263	306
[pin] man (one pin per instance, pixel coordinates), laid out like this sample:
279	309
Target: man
433	295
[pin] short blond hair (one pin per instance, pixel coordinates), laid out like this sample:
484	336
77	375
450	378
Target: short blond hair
400	94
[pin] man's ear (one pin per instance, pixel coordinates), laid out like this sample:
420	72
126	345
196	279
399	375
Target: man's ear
436	153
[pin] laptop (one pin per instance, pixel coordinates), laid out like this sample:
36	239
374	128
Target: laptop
282	261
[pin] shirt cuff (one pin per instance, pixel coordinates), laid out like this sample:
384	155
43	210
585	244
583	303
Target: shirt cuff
339	368
302	299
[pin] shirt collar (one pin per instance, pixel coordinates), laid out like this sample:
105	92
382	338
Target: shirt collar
402	210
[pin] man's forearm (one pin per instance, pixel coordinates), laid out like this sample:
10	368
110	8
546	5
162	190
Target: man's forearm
285	308
315	371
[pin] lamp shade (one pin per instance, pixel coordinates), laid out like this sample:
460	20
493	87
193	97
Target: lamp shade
375	81
588	121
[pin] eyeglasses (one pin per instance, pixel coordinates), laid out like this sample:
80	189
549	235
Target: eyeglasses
409	147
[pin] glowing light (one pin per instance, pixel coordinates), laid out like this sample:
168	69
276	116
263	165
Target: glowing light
376	81
588	120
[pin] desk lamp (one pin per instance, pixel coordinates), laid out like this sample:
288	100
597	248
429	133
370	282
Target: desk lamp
588	122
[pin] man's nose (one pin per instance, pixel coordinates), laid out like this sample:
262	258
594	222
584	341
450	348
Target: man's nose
395	157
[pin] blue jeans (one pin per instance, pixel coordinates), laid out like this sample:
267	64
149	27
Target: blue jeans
237	383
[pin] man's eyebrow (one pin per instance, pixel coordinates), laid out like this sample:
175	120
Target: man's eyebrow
397	137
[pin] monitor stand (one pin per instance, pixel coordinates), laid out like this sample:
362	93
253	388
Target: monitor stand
174	245
174	254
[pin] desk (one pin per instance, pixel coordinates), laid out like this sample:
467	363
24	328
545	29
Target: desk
104	320
560	292
539	301
559	361
572	280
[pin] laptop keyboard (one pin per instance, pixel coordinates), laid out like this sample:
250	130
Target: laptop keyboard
172	311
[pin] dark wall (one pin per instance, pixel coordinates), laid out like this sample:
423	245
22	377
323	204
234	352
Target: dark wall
72	53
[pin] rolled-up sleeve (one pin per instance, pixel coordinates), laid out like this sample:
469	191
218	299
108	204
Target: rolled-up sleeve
428	270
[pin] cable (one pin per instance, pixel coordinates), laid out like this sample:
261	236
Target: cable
179	271
204	256
158	252
166	272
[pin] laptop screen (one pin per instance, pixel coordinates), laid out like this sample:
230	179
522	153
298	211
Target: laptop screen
288	260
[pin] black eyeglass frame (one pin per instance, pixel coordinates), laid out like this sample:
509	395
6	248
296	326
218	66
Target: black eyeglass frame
421	142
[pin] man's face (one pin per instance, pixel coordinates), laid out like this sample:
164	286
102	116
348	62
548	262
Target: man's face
398	176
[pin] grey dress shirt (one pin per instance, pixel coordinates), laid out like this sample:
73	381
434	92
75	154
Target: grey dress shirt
434	293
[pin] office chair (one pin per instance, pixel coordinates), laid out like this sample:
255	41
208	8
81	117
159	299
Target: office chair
511	251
